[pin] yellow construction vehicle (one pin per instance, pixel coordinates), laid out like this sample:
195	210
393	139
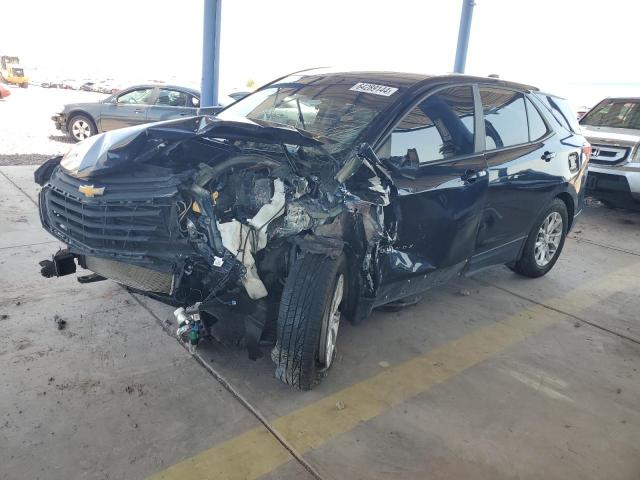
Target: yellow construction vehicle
11	72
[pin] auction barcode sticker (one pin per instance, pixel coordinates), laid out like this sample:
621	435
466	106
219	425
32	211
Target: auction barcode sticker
373	88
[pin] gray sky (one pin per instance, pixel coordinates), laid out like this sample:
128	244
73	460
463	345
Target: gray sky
580	49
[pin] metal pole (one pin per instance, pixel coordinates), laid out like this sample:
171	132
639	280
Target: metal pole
463	35
210	54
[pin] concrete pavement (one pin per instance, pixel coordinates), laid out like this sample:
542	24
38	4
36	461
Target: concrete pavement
494	377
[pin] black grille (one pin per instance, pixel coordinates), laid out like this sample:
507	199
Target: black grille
134	215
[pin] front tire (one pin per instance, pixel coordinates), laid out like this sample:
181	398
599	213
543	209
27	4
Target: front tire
308	320
81	127
544	244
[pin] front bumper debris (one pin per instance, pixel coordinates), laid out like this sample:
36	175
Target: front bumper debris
60	122
61	264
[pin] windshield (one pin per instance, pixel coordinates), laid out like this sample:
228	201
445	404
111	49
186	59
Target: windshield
615	113
334	108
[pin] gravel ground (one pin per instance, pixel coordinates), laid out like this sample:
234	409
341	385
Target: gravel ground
29	136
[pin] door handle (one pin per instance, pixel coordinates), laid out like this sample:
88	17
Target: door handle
547	156
137	111
470	176
184	114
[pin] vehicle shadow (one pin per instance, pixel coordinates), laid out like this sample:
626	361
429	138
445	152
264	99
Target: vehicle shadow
613	202
61	138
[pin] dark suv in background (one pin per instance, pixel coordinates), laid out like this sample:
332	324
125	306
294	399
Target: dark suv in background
132	106
322	195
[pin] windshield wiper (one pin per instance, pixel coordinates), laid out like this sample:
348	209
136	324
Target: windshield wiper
292	162
300	116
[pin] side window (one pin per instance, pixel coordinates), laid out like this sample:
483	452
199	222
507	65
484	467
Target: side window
561	111
505	117
537	127
134	97
439	128
171	98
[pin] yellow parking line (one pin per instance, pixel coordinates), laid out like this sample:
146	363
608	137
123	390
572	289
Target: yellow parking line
256	453
249	455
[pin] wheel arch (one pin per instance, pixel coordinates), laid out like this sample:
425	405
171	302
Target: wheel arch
569	202
76	112
571	209
565	194
333	248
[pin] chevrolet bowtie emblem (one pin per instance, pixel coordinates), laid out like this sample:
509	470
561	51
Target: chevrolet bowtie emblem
90	190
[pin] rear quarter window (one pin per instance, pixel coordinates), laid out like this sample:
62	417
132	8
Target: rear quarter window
537	127
561	111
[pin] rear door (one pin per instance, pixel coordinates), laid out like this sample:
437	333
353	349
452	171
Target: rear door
172	103
128	108
440	174
520	159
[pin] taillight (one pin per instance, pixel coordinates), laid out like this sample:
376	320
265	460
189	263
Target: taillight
586	153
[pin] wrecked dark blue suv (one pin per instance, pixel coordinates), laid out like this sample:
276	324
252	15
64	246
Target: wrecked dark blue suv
322	195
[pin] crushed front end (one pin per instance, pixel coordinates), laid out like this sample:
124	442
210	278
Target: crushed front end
209	215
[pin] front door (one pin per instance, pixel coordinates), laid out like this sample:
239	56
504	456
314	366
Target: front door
128	108
171	104
441	180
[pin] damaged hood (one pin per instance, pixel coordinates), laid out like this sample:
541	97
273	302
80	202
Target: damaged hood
113	150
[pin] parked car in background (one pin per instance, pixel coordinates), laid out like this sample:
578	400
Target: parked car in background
132	106
238	95
52	82
77	84
88	86
321	195
613	129
67	83
581	111
223	101
107	86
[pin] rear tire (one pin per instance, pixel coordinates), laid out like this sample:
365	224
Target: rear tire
308	320
80	127
545	241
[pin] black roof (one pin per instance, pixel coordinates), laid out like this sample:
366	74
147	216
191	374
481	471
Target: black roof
408	80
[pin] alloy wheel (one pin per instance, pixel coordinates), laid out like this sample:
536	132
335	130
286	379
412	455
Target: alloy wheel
548	239
331	324
80	129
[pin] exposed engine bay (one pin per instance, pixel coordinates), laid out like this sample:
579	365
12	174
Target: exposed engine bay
211	222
